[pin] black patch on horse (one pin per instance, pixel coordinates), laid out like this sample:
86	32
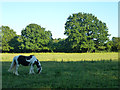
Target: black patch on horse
37	64
28	57
22	60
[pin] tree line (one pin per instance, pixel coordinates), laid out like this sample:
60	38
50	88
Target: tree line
85	33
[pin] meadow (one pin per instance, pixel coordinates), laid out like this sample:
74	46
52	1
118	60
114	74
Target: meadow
65	70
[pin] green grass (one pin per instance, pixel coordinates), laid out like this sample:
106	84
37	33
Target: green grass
82	74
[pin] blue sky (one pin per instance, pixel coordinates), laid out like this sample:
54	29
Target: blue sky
53	15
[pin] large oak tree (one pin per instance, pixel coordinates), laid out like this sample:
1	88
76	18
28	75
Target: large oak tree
86	32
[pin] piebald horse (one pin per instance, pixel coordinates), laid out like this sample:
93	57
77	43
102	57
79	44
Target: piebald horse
25	61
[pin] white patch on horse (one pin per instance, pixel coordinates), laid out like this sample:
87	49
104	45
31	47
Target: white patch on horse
32	59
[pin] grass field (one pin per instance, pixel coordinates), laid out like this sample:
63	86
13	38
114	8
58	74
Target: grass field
98	74
78	71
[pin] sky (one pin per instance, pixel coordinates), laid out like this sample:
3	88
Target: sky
53	15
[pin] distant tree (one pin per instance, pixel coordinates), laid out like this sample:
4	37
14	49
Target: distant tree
116	44
7	35
16	42
58	45
0	40
86	33
53	45
109	46
35	38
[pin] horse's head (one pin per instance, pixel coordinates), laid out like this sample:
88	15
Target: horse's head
39	68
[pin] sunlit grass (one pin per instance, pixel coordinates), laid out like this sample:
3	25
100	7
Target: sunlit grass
64	56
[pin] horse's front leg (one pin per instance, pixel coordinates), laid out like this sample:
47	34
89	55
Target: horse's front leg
31	69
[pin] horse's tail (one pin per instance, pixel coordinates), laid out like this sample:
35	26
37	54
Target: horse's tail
12	64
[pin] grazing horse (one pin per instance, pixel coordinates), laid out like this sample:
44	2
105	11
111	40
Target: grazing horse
25	61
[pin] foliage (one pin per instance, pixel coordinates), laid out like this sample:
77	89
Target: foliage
7	35
86	33
16	42
58	45
0	40
36	38
116	44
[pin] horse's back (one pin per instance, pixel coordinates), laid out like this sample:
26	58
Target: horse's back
22	60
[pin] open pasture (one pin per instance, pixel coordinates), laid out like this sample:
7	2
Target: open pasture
83	74
72	71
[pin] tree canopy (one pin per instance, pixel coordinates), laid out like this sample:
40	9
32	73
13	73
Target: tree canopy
35	38
86	32
7	35
115	43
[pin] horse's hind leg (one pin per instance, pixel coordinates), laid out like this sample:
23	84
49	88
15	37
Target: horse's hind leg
16	69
